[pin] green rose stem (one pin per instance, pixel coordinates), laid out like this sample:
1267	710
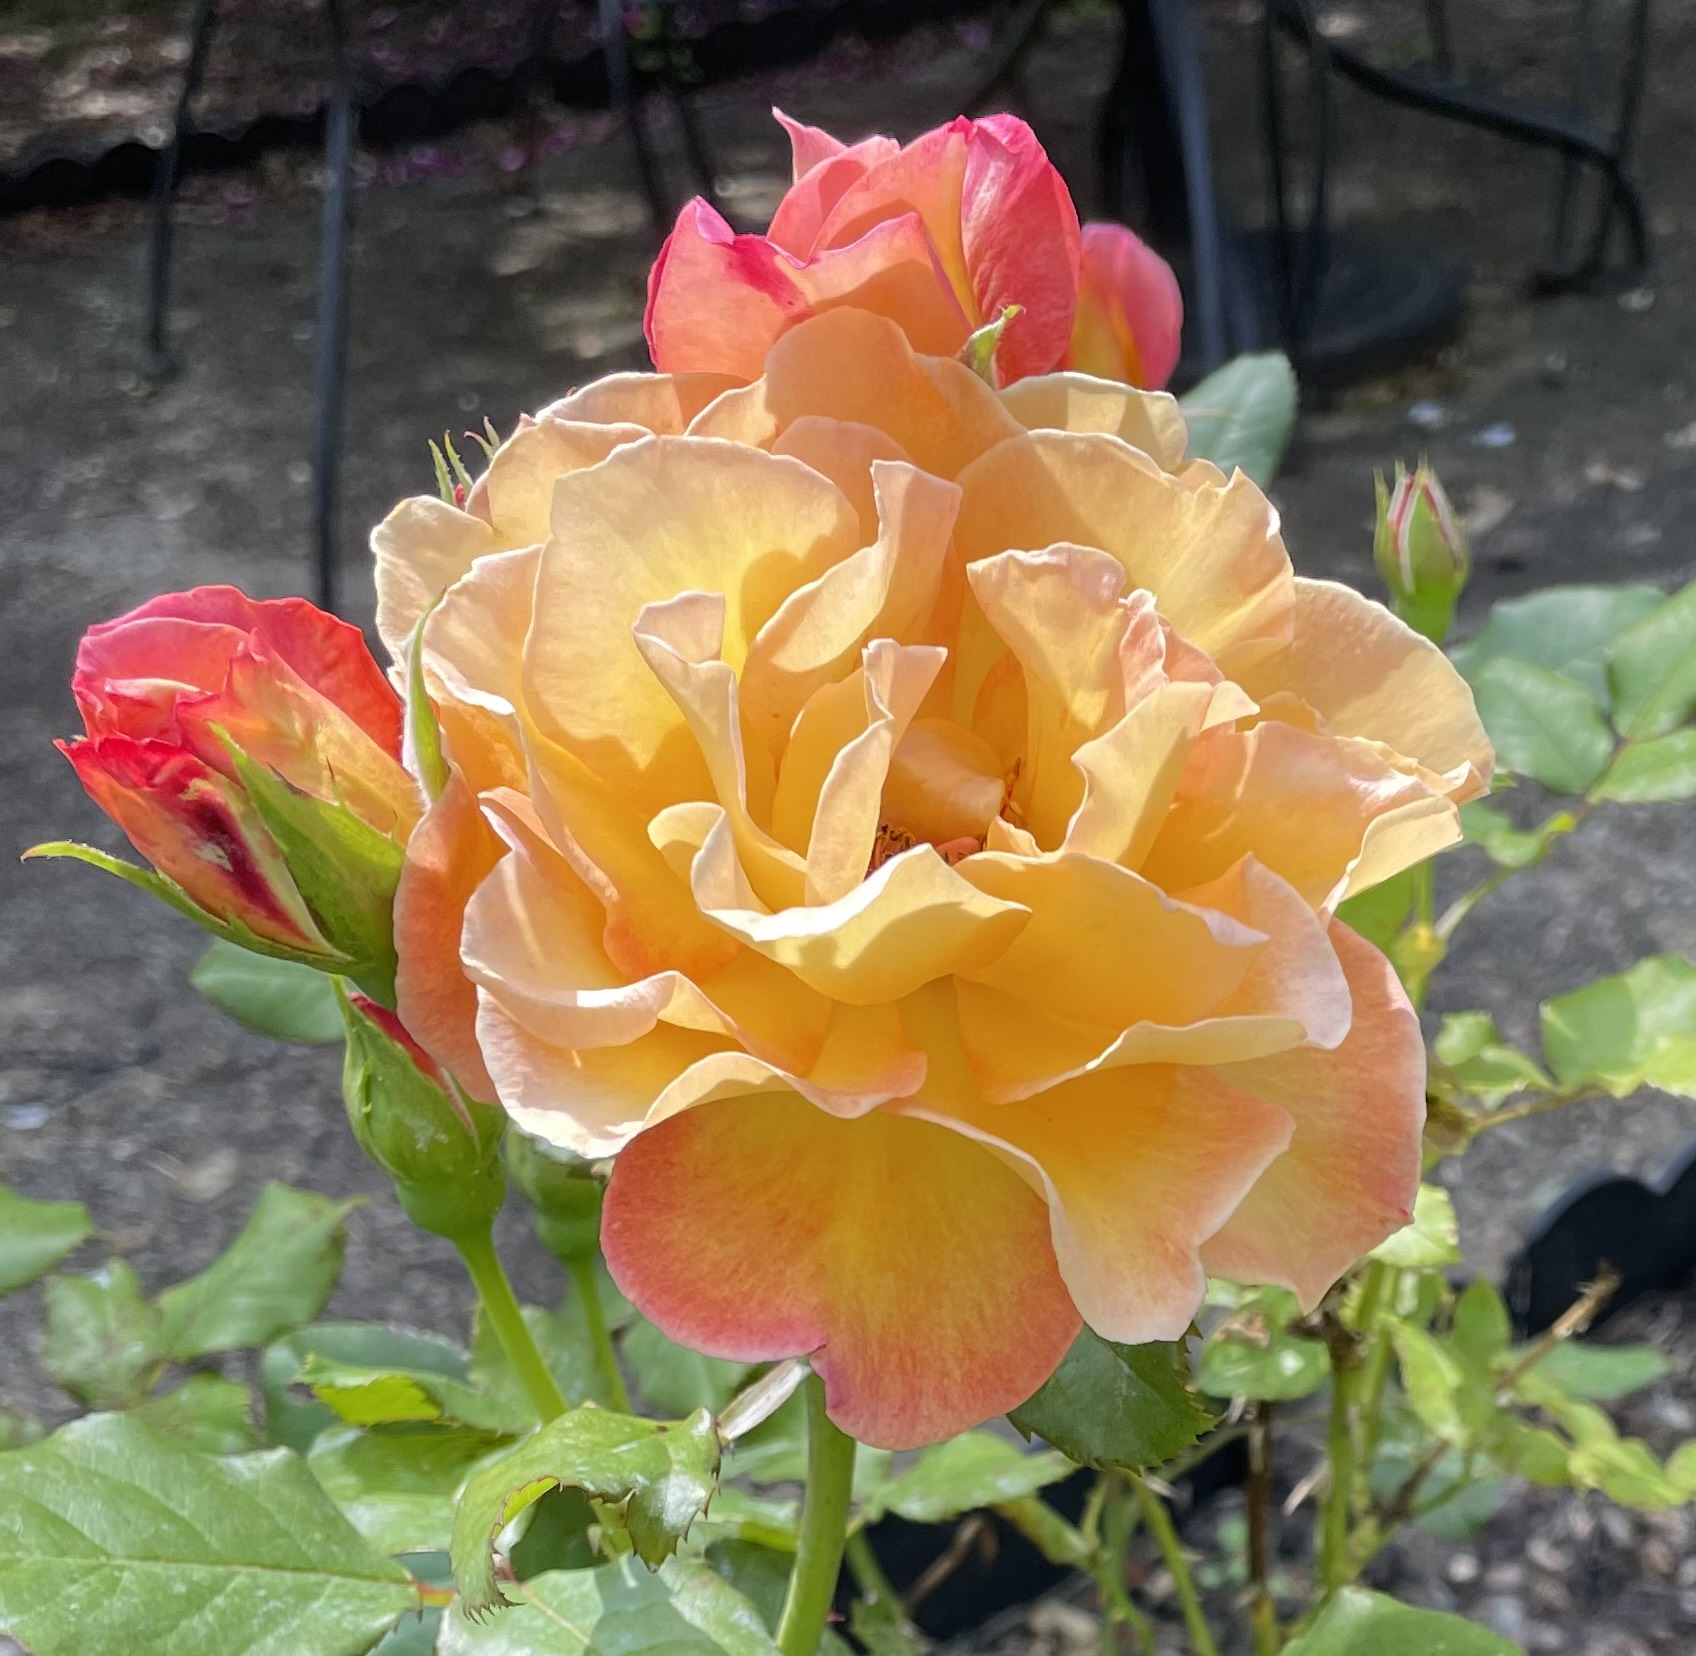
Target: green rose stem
1160	1525
824	1529
582	1269
500	1306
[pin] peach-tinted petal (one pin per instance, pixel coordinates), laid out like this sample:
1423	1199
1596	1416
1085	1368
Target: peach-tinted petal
661	403
1349	1176
515	495
1299	803
912	1265
845	451
450	853
1367	674
1130	311
1139	1168
658	518
421	548
1147	420
1211	555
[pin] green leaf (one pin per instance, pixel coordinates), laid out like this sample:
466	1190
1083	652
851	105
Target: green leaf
114	1537
1565	629
1436	1384
1431	1241
279	998
1361	1623
1622	1033
104	1341
207	1412
396	1396
1652	668
1379	914
1543	725
1252	1353
1495	835
1602	1373
1649	772
618	1610
1480	1329
759	1574
1117	1405
35	1236
976	1469
396	1486
276	1275
1476	1059
662	1472
673	1380
1243	414
293	1423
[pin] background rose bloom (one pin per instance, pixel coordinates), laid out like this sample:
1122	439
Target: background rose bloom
939	236
294	689
902	822
1130	312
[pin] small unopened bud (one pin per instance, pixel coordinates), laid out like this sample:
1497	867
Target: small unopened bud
565	1193
441	1150
1421	550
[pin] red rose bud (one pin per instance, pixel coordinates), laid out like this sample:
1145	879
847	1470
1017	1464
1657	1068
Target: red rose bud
1130	312
564	1192
1421	550
441	1150
251	751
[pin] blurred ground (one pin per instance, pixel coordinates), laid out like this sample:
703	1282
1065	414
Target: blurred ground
488	293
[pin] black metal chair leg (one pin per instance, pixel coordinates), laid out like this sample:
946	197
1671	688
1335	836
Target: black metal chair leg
332	308
621	86
159	359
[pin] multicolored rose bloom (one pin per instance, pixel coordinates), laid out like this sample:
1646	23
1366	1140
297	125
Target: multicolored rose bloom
940	236
250	748
902	823
1130	312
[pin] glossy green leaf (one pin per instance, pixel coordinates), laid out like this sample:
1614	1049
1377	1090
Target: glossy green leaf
279	998
1480	1328
1494	834
1602	1373
562	1337
662	1472
976	1469
673	1380
1645	773
114	1537
619	1610
1117	1405
1379	914
1652	668
1437	1385
276	1275
1565	629
104	1341
1243	414
1431	1241
1361	1623
1622	1033
396	1485
207	1412
293	1421
1253	1353
35	1236
1543	725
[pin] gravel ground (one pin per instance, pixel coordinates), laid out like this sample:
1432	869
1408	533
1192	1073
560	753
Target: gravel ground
486	293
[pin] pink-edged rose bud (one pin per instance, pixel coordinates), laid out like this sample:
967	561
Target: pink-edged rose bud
940	235
1421	549
1130	312
250	748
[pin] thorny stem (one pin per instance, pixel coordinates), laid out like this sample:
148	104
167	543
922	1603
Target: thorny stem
500	1306
1118	1517
582	1268
1334	1548
824	1528
1263	1610
1159	1521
